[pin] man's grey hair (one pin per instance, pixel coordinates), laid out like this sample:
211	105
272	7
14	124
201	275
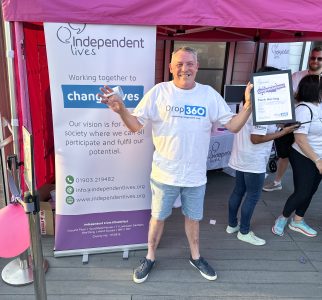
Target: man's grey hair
317	49
186	49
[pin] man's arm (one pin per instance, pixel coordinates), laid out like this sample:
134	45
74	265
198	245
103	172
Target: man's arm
130	121
116	104
238	121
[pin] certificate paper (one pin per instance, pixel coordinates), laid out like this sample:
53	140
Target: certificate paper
272	98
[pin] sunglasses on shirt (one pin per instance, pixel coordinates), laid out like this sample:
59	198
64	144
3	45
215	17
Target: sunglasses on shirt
315	58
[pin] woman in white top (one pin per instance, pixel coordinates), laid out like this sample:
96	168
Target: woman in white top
250	154
305	158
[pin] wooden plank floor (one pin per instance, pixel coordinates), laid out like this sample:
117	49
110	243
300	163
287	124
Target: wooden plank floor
288	267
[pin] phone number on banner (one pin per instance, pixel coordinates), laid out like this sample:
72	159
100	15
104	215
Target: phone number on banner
94	179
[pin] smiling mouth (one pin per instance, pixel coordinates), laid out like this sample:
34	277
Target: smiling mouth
185	75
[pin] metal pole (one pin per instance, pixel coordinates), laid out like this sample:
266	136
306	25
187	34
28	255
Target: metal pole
34	223
40	265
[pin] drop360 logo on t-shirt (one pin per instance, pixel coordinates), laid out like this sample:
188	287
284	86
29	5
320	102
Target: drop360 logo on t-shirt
188	110
195	111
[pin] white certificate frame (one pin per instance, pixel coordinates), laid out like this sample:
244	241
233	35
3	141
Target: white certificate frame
272	98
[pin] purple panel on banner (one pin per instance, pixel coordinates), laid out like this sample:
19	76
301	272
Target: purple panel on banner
108	229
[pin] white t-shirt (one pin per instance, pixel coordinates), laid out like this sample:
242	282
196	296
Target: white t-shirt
249	157
181	125
313	129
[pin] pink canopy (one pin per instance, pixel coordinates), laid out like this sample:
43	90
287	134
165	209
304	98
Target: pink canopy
204	20
213	20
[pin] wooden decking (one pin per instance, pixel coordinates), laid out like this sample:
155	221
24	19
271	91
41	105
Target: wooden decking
288	267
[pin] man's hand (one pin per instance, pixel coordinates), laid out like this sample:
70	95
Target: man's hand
116	104
248	103
111	99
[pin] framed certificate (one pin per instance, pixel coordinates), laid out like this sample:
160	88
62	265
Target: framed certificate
272	98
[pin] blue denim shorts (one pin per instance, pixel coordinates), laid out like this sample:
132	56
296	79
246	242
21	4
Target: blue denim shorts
164	196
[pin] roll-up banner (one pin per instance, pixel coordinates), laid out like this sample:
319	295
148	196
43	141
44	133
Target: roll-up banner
102	169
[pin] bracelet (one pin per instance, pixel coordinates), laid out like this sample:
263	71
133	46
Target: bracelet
319	158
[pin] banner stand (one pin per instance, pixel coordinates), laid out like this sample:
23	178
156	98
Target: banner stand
85	252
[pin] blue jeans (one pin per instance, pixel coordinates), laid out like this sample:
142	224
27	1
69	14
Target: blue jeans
250	184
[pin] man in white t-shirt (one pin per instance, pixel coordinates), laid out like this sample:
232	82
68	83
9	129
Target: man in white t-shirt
315	68
181	113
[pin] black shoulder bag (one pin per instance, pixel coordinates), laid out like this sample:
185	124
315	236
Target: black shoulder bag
284	143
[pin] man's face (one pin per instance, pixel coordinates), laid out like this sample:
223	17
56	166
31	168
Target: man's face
315	61
184	67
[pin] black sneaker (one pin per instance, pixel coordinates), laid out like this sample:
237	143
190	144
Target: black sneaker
141	273
204	268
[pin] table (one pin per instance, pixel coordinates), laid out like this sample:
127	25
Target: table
221	143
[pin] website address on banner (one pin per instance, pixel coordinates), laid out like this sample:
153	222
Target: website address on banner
108	198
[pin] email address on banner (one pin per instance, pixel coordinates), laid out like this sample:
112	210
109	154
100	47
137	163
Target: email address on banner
117	188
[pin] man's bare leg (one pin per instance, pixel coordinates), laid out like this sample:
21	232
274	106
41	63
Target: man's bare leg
154	236
192	232
141	273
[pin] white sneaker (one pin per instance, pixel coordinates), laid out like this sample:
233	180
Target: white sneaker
251	238
272	186
230	229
